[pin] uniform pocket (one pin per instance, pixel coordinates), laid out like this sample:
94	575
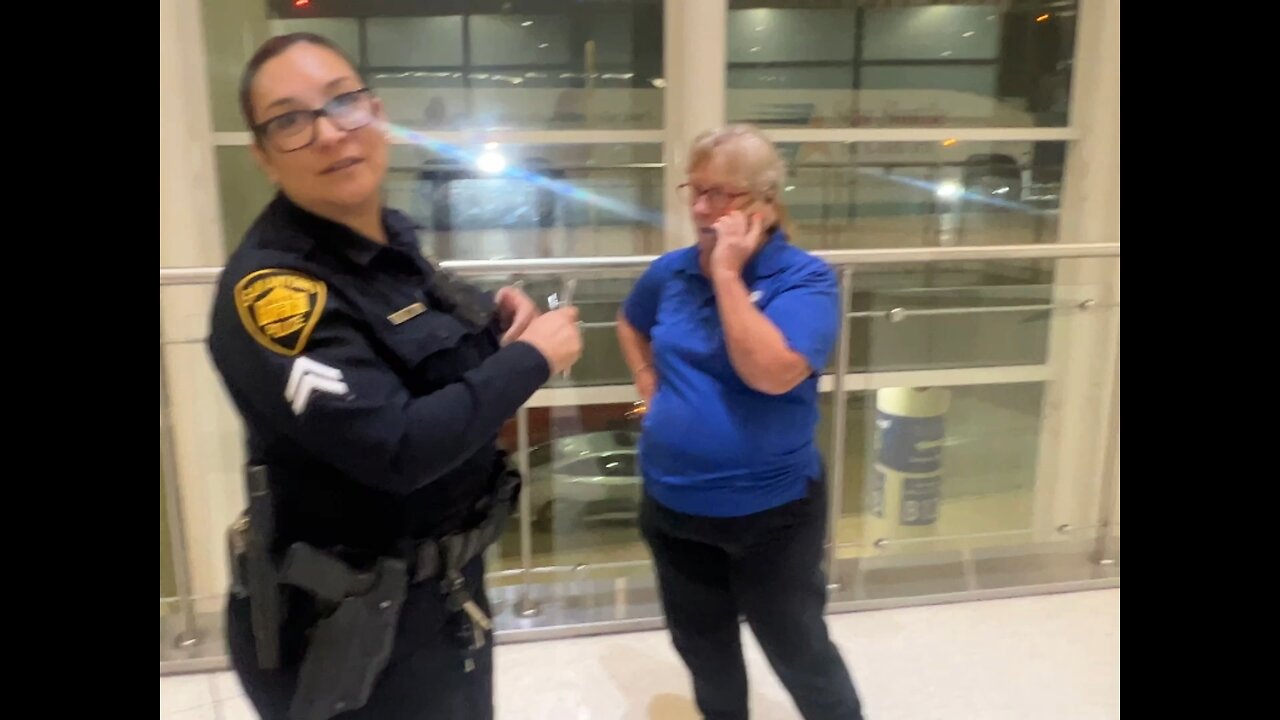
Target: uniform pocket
418	338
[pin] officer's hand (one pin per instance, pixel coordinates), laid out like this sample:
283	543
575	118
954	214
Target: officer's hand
515	311
557	336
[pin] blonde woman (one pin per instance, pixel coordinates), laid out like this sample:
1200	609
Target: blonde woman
725	340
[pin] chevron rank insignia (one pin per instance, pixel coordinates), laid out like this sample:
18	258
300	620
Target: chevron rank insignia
280	308
308	378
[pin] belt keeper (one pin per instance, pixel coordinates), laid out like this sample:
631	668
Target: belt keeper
453	583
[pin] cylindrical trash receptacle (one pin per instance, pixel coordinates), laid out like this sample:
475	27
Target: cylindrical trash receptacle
904	481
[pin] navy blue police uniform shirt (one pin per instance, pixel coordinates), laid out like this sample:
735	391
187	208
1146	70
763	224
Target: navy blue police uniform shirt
370	382
711	445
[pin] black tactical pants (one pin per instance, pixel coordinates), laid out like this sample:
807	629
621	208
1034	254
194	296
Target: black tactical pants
766	567
434	673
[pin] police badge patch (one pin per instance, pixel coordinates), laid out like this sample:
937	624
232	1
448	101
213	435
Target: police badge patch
280	308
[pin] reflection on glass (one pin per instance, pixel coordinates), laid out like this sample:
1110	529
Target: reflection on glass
937	462
926	468
951	315
584	488
495	202
922	316
597	300
857	64
923	194
243	190
468	65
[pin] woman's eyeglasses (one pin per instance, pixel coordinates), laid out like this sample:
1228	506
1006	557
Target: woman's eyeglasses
716	197
296	129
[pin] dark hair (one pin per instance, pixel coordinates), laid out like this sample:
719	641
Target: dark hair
270	49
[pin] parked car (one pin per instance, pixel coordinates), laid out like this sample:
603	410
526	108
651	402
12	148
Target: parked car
594	474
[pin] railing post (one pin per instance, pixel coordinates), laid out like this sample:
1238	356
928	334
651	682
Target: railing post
188	636
840	407
525	606
1109	491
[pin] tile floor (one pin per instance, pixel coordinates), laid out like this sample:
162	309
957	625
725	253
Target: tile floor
1050	657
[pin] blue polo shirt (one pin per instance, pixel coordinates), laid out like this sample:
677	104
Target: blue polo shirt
710	445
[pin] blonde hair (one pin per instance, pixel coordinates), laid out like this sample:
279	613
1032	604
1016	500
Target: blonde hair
748	155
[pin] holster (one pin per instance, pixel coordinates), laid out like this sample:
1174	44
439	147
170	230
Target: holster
349	648
253	568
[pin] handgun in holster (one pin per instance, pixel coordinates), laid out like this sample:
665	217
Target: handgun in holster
350	646
348	649
253	569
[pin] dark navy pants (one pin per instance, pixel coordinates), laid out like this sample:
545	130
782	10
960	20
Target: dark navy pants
434	673
766	567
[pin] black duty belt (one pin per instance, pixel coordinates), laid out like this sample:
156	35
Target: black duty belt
348	649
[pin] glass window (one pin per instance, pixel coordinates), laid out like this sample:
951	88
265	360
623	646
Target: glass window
598	300
496	201
343	31
848	63
578	520
540	455
618	465
468	64
765	35
923	194
414	42
243	190
586	467
928	33
951	315
614	465
976	477
520	40
492	202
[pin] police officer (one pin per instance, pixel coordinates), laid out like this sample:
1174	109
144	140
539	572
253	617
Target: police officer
372	388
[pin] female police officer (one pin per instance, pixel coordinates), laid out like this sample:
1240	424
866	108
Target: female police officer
372	389
725	340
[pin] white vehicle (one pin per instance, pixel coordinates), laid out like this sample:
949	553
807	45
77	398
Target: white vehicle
592	474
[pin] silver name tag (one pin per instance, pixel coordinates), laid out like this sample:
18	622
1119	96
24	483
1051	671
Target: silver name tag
400	316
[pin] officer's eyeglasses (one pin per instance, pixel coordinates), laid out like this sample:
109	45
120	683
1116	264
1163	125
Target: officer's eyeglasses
717	198
296	129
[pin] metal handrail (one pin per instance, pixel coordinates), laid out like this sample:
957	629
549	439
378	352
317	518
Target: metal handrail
837	258
460	168
811	165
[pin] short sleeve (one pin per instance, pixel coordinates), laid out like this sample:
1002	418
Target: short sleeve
641	306
807	312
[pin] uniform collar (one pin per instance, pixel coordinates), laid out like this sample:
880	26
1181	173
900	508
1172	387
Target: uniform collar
311	229
768	260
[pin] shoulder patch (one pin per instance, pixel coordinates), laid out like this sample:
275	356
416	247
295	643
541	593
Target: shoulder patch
279	308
